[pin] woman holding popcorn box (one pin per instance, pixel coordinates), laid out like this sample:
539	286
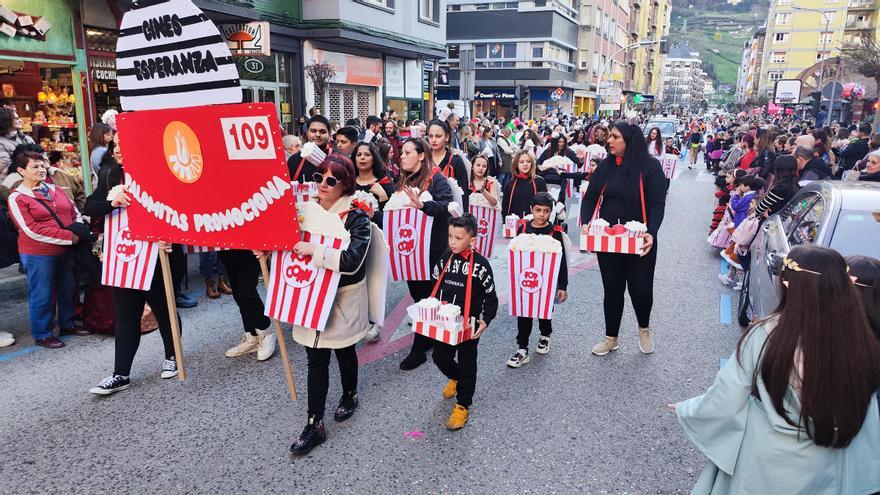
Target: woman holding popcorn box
372	178
484	203
627	188
518	194
424	188
341	218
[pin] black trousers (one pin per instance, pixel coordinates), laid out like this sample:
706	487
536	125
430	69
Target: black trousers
420	290
319	375
622	272
244	275
524	330
464	371
128	304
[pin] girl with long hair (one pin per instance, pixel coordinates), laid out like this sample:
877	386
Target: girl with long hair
631	186
865	273
372	176
783	187
655	143
518	193
418	173
764	153
794	409
451	164
482	183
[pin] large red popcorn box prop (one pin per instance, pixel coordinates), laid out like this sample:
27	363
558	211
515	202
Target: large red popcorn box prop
610	242
299	292
438	331
487	226
571	167
304	192
533	279
408	232
669	162
128	263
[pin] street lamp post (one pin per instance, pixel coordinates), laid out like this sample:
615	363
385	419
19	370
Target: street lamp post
824	50
611	59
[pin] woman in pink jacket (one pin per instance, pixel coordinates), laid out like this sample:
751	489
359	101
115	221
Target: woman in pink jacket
41	213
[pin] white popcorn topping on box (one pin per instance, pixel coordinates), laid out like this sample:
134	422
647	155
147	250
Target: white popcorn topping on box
313	218
535	242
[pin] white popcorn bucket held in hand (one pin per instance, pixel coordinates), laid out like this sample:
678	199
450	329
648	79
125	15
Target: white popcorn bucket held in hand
533	280
408	232
669	162
303	192
299	292
128	263
511	222
487	227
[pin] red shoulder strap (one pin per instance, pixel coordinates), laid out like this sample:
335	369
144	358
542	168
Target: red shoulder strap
298	170
468	287
642	194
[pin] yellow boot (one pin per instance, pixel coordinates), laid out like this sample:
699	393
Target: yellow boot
458	418
450	389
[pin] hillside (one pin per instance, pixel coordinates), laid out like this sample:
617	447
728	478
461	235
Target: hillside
718	32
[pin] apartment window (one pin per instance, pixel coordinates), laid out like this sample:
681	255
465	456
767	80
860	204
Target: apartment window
540	3
497	50
777	57
429	11
599	17
822	56
825	37
595	65
780	38
774	75
379	4
453	8
783	2
537	50
452	52
783	18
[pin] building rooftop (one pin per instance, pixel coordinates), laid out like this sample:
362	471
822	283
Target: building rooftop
682	50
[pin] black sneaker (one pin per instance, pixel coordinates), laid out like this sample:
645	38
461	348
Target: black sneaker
519	358
543	345
111	385
310	438
413	360
347	405
169	368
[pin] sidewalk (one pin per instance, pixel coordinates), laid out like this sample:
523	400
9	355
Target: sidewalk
12	281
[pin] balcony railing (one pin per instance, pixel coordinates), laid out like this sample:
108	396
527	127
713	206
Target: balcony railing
858	25
861	4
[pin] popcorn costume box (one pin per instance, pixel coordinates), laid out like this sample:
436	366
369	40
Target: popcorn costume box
669	162
408	233
128	263
622	239
299	292
443	321
535	261
511	224
304	192
487	223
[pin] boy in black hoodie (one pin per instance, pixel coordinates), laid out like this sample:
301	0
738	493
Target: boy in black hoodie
542	206
460	271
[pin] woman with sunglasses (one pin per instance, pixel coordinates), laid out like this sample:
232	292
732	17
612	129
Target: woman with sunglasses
417	171
372	176
348	320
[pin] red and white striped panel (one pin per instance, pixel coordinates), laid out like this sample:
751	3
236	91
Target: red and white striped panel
408	232
128	263
533	280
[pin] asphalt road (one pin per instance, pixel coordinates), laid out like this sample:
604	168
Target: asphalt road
567	422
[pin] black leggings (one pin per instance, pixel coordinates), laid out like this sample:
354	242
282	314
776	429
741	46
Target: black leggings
524	330
627	271
243	270
128	305
319	375
420	290
464	371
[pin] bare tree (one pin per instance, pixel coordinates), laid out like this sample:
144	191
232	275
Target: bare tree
321	73
862	56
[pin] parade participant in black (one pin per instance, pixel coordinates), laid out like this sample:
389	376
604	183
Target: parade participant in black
345	140
128	304
558	146
317	132
451	164
348	320
418	171
542	207
372	176
626	176
482	183
465	276
518	193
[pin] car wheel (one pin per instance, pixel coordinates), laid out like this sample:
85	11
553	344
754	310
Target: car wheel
743	308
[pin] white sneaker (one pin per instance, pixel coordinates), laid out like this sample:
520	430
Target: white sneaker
169	368
518	359
249	343
267	344
373	333
6	339
725	280
738	286
543	345
646	343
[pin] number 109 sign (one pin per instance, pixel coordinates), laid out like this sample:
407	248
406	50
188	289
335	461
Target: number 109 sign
209	176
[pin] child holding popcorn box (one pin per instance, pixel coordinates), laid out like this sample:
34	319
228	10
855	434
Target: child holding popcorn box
484	204
422	197
464	280
628	186
518	193
529	281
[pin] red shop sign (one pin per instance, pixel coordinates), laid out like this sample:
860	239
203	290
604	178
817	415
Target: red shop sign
209	176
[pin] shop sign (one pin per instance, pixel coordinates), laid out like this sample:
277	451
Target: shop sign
490	94
787	91
170	55
413	79
14	24
102	68
351	69
429	65
186	155
394	86
254	66
246	38
442	76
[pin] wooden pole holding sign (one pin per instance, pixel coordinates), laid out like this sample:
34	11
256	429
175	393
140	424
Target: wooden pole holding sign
282	344
172	313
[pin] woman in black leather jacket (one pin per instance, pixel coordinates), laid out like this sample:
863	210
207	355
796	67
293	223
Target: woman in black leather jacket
348	321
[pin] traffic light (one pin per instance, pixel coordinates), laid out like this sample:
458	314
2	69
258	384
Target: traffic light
817	103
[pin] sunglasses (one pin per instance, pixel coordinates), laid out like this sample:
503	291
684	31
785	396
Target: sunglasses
318	177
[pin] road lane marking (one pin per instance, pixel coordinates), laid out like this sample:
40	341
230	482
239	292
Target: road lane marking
726	313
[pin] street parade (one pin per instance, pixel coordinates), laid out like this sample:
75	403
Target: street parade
548	287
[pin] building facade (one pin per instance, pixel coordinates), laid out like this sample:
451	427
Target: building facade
683	78
525	55
649	22
602	36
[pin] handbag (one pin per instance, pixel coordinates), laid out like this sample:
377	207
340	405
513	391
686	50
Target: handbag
746	231
86	266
